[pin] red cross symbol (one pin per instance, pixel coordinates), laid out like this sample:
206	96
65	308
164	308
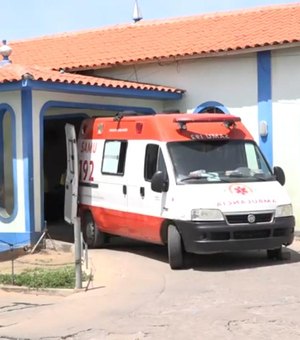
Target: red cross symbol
241	190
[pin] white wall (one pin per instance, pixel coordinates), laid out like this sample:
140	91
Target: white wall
231	81
286	119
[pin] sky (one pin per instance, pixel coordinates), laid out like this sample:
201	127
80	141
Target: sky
25	19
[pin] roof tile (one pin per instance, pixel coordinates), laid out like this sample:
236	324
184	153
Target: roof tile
163	39
15	72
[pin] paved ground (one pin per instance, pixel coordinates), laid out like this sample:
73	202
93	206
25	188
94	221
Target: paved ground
135	295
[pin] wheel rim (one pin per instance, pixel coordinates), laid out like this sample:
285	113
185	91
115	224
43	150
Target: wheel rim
90	232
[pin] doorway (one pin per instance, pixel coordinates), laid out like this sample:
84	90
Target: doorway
55	163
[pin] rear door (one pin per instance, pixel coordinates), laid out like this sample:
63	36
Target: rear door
71	183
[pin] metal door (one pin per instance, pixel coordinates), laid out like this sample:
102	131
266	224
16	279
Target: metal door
71	183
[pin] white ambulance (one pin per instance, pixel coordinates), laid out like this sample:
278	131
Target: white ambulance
196	183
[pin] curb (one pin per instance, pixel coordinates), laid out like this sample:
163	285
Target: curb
41	291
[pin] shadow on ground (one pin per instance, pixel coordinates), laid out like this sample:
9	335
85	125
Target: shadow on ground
211	262
61	231
215	262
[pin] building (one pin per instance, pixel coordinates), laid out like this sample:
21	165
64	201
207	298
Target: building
243	62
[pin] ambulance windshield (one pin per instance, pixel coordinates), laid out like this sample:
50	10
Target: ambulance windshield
218	161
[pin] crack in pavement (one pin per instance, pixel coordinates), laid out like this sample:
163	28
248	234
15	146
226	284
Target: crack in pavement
12	338
17	306
231	323
11	324
236	326
65	337
284	303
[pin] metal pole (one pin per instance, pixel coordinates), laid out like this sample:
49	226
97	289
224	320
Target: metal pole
12	265
77	244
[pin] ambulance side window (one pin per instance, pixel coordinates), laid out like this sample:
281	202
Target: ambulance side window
154	161
114	156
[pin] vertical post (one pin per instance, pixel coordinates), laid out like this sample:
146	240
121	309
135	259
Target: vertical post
264	87
12	264
77	244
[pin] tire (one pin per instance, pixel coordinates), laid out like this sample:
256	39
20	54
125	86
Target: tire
275	254
175	251
93	237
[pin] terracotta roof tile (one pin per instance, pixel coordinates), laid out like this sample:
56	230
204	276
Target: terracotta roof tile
163	39
14	72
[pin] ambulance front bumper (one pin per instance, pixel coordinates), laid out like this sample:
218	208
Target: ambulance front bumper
215	237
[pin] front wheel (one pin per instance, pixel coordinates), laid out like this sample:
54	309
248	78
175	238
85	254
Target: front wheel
92	236
175	250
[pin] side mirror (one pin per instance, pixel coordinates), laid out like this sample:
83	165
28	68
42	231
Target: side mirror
159	182
279	174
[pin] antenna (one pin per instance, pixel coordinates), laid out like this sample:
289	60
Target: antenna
137	14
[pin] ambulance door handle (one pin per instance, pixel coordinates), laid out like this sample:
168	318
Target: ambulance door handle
142	191
124	189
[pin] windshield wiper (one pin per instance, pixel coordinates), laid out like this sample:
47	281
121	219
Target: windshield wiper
202	174
245	172
264	177
240	172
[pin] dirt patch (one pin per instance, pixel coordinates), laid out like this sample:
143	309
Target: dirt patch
55	254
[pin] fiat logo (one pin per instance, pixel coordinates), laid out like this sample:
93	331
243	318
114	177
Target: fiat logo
251	218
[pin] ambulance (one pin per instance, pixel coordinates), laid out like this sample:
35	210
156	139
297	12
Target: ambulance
195	183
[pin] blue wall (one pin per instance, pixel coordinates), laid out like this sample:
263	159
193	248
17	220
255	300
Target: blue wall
264	96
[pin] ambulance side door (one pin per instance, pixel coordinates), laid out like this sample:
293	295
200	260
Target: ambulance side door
113	188
144	205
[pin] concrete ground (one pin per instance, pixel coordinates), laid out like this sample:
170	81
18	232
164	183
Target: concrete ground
135	295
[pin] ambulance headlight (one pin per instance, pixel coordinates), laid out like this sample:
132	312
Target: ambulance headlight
206	215
284	210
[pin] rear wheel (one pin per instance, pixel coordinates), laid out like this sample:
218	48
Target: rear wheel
275	254
92	236
175	250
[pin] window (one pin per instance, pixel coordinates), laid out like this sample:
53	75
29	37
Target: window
154	161
211	109
6	164
114	156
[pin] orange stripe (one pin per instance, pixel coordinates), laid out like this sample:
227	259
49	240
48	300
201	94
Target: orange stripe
131	225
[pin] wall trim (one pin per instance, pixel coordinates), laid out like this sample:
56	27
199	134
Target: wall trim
264	97
26	102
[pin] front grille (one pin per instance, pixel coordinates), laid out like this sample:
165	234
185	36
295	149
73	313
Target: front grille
246	234
243	218
219	236
249	234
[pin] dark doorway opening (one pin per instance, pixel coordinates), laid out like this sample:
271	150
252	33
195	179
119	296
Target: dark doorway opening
55	164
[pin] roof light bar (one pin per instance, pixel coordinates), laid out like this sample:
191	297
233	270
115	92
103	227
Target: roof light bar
228	121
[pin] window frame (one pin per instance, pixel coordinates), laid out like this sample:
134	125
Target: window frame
202	108
159	154
6	217
121	157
